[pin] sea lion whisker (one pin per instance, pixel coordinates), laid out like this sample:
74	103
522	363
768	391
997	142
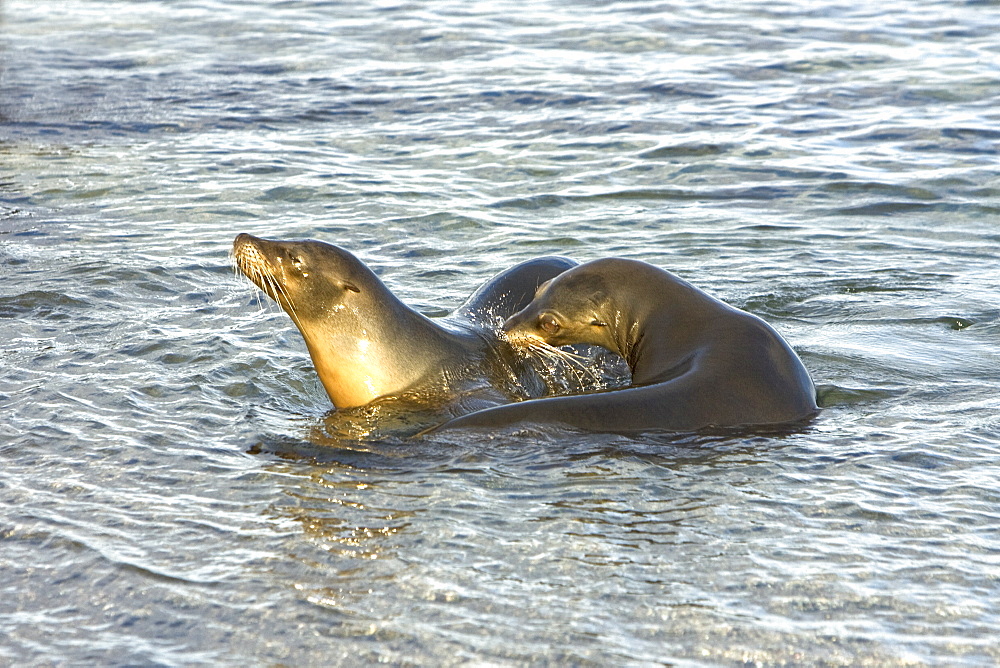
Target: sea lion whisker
246	279
571	358
573	364
280	291
253	267
256	292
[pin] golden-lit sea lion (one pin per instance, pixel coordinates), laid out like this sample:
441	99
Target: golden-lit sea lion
366	344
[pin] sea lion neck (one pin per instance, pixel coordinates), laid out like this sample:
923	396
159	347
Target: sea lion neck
382	349
658	336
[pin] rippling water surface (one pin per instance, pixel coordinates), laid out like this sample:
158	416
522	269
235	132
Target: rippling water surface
832	167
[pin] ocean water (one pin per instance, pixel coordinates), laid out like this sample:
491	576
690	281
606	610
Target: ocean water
831	167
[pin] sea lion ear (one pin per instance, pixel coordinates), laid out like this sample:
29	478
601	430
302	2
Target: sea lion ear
347	285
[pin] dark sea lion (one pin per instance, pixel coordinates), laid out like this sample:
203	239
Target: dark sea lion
366	344
696	362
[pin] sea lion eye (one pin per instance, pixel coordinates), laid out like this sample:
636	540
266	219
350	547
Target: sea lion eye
597	322
299	265
549	323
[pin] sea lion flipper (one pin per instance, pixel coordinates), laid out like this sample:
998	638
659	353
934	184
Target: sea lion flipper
631	409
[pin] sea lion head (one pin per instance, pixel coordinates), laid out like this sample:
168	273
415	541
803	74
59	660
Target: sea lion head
348	318
309	279
568	309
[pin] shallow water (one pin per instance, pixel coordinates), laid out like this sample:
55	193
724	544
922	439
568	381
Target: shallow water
832	168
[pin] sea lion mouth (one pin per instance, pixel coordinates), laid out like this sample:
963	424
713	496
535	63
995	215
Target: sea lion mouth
561	367
532	344
520	339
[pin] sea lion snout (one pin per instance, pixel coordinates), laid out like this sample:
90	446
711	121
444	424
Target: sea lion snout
244	241
519	329
243	238
513	322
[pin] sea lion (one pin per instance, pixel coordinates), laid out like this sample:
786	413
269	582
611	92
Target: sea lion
696	362
366	344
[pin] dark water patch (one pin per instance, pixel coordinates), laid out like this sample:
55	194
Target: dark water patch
890	134
686	151
237	390
678	90
9	211
12	261
76	132
829	396
653	194
118	64
274	168
985	193
355	102
767	228
377	455
289	194
410	251
148	348
924	459
952	322
967	132
439	221
882	189
42	304
888	280
922	95
536	447
534	202
103	272
266	69
540	98
826	65
794	174
891	209
440	273
552	242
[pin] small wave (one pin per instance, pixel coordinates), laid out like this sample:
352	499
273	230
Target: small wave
829	396
41	303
